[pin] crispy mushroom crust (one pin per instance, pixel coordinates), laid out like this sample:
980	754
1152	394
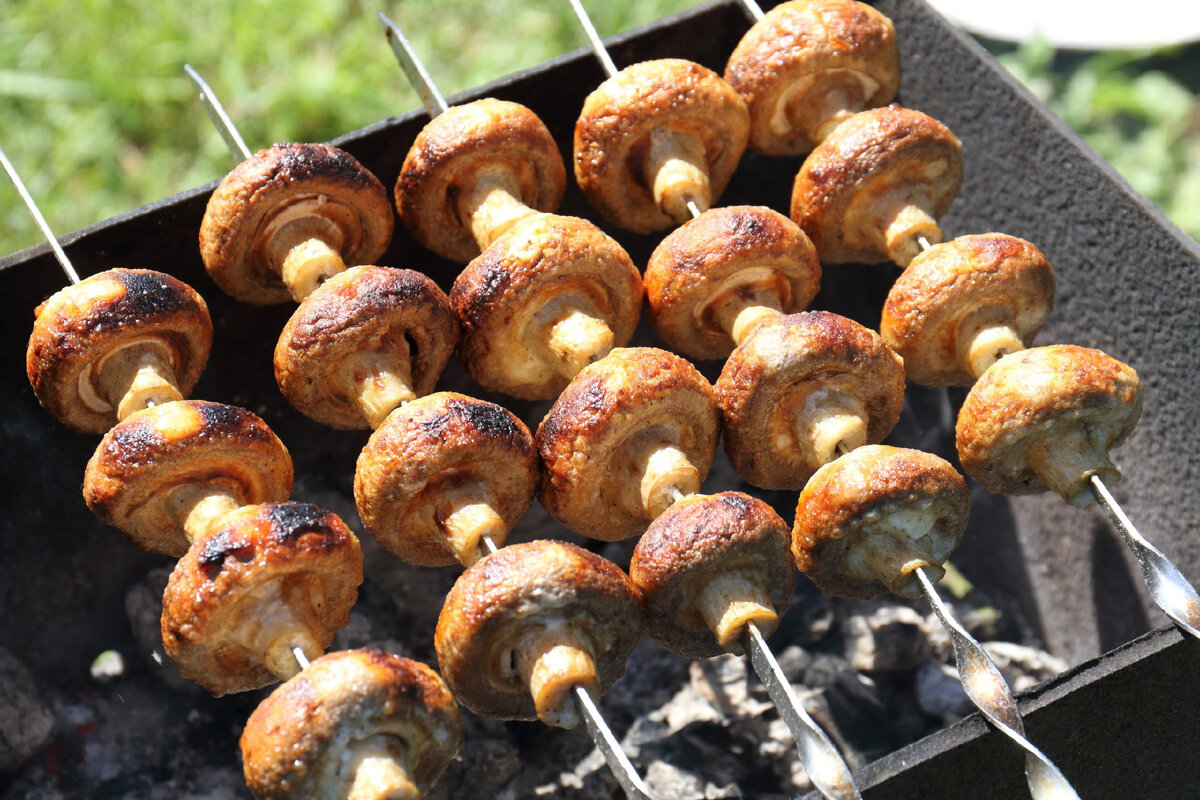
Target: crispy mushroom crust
396	315
335	197
303	739
613	136
732	255
80	326
287	570
1005	278
138	463
809	61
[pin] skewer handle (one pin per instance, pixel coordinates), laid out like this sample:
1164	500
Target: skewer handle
414	70
216	112
635	788
63	261
598	46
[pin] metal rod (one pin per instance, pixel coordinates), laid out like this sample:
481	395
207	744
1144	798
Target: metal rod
216	112
923	242
986	688
435	104
693	208
753	8
489	545
301	659
63	261
824	764
635	788
1170	590
593	37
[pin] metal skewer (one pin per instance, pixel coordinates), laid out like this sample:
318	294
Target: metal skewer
753	9
301	659
598	46
216	112
59	254
435	104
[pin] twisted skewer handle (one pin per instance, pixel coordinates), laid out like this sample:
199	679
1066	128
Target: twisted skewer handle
216	112
63	261
635	788
414	70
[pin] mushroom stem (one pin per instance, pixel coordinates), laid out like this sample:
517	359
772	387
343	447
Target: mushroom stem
731	601
379	382
902	218
552	661
574	332
199	509
378	769
894	545
985	335
676	171
830	422
466	513
309	264
492	204
744	308
278	657
666	474
137	377
1067	457
817	111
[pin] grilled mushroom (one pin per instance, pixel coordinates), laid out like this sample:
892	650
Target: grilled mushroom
526	625
116	343
656	136
368	340
355	724
1045	418
807	65
712	280
289	217
542	302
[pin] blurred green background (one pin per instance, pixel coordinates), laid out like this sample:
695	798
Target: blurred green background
97	115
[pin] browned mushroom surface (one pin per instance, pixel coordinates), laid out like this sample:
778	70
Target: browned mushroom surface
713	279
867	521
710	566
165	475
1045	418
628	436
270	578
359	723
654	137
368	340
114	343
526	625
441	473
876	184
802	388
960	306
475	170
807	65
543	301
289	217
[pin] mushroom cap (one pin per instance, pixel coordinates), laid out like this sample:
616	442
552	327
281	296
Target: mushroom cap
516	591
613	134
79	326
363	309
789	54
232	233
1042	392
699	262
696	540
294	551
500	293
140	460
296	742
627	393
846	498
768	379
450	153
946	282
429	446
866	158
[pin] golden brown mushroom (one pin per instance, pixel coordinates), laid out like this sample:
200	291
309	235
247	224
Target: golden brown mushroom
807	65
289	217
526	625
960	306
441	473
708	567
802	388
368	340
116	343
877	184
867	521
474	171
1045	418
547	298
359	724
168	475
630	435
656	136
271	577
712	280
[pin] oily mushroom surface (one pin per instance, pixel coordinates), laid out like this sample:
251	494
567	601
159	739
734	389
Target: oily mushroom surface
952	290
130	477
800	386
316	189
728	543
726	259
272	576
656	100
1045	418
362	322
806	65
79	327
329	726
